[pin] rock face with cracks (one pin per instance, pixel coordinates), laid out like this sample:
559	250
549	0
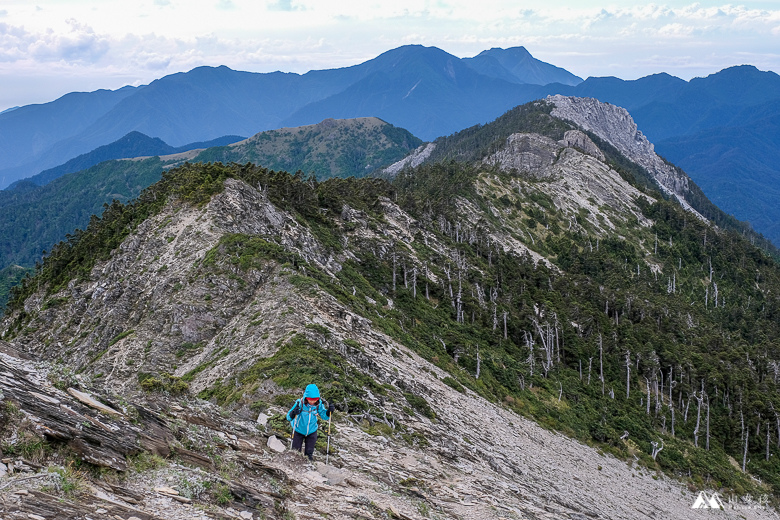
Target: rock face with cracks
616	126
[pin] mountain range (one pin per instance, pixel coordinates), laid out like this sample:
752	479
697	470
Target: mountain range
721	129
209	102
542	323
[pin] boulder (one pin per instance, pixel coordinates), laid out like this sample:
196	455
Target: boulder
275	444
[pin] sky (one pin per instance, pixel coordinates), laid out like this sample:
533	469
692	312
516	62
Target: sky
51	47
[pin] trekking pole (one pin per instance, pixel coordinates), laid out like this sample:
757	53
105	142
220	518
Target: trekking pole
295	425
327	452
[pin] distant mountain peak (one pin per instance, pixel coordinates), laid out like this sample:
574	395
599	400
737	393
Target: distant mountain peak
518	65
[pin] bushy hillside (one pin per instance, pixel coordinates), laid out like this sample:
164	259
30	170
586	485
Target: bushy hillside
331	148
34	219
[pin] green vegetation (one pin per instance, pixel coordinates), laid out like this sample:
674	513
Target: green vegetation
120	337
32	220
333	148
164	382
9	277
297	363
479	141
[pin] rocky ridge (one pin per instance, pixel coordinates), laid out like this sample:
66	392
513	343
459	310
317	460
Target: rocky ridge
173	297
616	126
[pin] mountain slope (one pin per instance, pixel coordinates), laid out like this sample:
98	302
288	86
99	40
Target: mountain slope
252	294
516	64
419	94
134	144
331	148
546	277
616	134
30	130
34	219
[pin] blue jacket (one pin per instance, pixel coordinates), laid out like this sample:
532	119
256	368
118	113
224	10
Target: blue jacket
305	422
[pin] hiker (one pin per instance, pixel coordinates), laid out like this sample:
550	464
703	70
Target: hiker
303	420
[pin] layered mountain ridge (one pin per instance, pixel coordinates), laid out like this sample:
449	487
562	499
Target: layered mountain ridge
439	313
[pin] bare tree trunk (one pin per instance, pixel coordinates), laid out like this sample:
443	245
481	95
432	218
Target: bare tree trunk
601	364
590	363
672	409
505	313
647	383
628	374
414	283
479	363
427	296
656	449
767	442
395	262
777	418
744	454
708	423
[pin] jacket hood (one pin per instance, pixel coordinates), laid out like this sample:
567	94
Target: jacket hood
311	391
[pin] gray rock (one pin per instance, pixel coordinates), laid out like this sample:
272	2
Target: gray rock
275	444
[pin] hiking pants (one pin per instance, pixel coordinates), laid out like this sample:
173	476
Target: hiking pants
310	439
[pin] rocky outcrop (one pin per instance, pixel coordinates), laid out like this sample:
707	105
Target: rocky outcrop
616	126
581	141
414	159
574	174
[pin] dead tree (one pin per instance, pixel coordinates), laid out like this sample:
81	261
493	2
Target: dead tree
395	265
590	363
546	337
427	296
529	342
700	399
708	423
628	374
601	364
777	418
494	300
656	449
647	384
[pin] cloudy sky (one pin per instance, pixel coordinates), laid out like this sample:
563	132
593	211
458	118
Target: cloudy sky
51	47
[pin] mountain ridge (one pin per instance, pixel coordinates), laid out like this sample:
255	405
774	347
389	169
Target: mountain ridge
408	303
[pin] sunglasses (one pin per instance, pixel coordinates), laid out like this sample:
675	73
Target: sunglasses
312	400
